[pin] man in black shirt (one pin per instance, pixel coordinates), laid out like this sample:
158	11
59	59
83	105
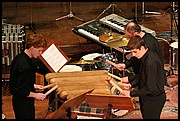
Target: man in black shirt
22	77
133	29
150	80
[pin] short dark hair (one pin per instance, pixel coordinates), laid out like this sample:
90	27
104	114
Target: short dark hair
135	43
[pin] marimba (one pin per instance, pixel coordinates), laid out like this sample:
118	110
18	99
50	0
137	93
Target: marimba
71	84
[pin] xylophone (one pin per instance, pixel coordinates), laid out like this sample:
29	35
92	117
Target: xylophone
71	84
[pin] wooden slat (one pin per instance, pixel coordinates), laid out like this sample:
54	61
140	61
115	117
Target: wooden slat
75	74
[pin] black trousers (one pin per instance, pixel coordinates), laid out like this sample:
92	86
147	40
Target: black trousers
23	108
151	106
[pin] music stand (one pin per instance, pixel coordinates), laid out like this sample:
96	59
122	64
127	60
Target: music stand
65	109
70	15
111	5
109	102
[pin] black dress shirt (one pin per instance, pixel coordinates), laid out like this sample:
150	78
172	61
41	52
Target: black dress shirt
151	78
22	74
153	45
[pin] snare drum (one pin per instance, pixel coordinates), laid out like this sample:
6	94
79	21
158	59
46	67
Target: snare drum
174	57
103	64
90	57
70	68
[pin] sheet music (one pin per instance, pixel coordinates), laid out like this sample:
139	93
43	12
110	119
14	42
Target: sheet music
54	58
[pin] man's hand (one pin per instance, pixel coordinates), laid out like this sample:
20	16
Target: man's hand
39	88
125	93
124	80
120	66
125	85
40	96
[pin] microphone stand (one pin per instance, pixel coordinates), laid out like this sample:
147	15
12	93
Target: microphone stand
70	15
111	5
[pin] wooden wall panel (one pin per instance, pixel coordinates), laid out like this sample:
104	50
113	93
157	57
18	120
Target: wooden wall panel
41	16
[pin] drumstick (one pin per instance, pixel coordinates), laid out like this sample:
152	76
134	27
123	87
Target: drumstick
50	85
52	89
115	85
114	76
110	62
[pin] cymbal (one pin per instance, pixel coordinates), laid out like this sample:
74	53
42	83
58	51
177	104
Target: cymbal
119	41
106	37
81	62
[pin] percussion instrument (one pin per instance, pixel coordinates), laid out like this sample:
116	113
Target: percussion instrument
91	56
106	37
86	65
91	60
70	68
103	65
95	61
13	38
54	100
119	41
111	63
70	84
83	62
174	56
165	46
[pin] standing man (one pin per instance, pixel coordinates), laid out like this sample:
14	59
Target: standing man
22	77
150	80
133	29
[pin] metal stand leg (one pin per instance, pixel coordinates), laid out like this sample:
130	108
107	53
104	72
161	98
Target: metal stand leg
70	15
136	12
123	62
111	5
53	106
144	12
